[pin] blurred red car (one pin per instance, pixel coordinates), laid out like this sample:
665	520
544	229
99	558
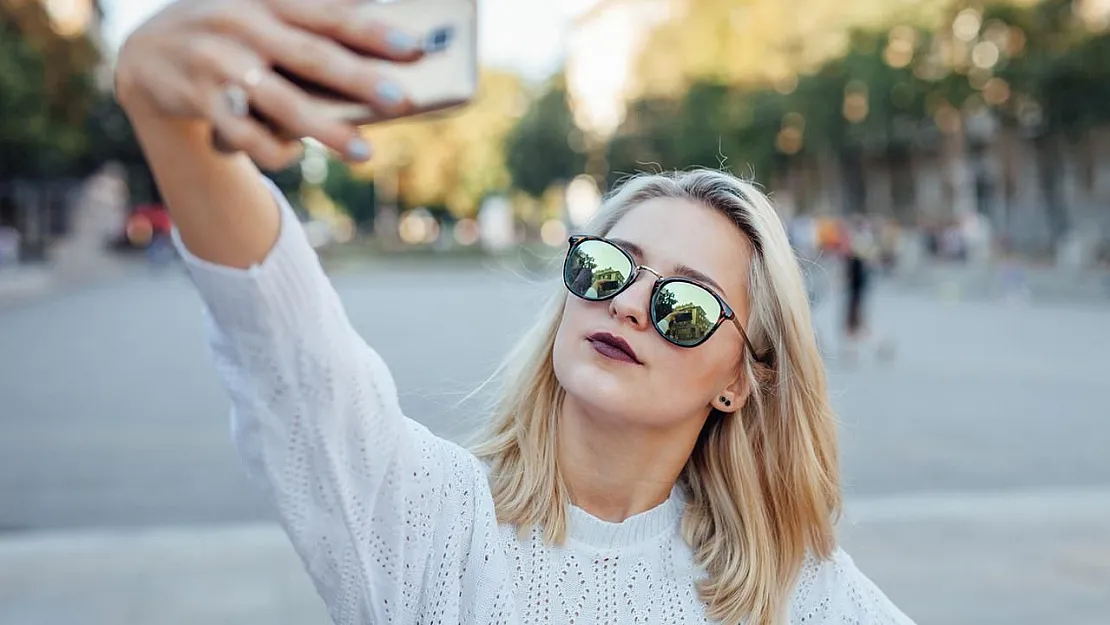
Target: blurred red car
147	223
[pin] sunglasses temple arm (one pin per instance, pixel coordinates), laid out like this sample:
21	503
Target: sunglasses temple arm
747	341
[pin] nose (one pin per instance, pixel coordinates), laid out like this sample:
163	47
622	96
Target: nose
631	305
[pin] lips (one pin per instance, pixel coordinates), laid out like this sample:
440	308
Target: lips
612	346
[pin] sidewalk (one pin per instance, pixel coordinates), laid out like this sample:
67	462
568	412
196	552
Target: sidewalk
960	559
1037	283
25	284
959	281
22	283
239	575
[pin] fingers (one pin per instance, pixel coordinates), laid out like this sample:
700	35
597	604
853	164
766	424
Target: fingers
254	53
232	134
351	24
254	110
286	106
321	61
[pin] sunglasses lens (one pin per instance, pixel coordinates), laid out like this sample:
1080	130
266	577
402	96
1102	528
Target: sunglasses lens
684	313
595	270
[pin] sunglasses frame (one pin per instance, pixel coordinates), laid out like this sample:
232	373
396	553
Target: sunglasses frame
660	282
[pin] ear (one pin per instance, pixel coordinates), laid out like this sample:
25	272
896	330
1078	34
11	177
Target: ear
733	397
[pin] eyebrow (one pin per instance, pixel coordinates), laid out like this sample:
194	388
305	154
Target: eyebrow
685	271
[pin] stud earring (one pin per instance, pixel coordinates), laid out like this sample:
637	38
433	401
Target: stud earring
726	401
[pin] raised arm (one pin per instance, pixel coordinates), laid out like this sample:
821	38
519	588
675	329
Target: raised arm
391	522
383	513
171	79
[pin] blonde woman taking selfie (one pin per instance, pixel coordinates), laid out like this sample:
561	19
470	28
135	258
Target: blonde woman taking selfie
664	451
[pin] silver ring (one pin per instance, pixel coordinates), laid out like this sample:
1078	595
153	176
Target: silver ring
236	95
237	100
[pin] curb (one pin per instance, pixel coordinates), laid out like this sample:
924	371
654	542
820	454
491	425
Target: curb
41	284
18	285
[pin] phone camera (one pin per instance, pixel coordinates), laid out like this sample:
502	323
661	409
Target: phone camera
439	39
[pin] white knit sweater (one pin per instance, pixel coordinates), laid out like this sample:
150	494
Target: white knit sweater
395	525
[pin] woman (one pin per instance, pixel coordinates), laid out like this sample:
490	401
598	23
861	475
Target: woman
635	472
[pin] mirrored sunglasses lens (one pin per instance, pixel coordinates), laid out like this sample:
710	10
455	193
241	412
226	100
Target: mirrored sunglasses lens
596	270
684	313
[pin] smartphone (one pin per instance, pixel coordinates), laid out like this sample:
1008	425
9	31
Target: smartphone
444	78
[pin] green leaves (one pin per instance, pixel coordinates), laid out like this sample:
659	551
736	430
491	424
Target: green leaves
894	88
47	95
546	146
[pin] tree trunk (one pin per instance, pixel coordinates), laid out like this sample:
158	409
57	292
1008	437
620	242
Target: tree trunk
854	185
1049	174
902	191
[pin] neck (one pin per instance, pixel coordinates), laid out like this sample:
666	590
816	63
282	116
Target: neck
615	470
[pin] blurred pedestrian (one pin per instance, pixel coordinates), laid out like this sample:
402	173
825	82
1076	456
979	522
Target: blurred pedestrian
859	254
684	473
861	260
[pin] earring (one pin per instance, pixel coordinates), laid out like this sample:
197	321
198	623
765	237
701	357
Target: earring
726	401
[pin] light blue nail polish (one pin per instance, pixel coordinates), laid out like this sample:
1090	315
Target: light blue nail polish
391	92
358	149
401	43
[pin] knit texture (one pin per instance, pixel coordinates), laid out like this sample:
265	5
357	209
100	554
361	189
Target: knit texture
396	525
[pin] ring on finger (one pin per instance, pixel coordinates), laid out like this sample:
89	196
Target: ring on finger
236	95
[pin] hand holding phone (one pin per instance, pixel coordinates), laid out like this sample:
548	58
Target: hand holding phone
445	76
224	67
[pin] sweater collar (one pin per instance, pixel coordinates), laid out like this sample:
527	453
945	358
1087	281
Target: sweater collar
587	529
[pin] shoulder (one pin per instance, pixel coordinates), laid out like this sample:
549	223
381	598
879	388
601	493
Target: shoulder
833	591
458	468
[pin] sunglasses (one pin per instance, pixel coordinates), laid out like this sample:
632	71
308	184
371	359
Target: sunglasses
683	311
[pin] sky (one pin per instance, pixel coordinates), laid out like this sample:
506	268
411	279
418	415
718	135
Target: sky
526	36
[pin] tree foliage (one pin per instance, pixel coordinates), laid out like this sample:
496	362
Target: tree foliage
894	88
454	159
47	95
539	149
354	195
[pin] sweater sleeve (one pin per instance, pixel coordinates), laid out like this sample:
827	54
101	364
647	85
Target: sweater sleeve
836	592
393	524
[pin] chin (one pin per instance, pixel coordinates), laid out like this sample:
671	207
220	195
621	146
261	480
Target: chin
585	376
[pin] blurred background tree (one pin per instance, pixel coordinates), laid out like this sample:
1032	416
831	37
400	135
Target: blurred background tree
820	98
877	107
546	147
355	196
47	93
451	160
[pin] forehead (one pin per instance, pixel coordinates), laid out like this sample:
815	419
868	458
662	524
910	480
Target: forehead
675	232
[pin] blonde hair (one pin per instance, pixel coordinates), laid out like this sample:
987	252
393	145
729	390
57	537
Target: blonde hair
762	484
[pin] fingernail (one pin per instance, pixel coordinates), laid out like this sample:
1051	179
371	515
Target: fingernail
401	43
391	92
358	149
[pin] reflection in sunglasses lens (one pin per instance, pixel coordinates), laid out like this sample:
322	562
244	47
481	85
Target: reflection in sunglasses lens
596	270
684	313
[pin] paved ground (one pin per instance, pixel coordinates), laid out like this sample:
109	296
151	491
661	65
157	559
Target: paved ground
976	462
965	564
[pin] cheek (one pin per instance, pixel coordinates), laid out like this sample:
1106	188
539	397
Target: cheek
568	332
697	374
577	314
